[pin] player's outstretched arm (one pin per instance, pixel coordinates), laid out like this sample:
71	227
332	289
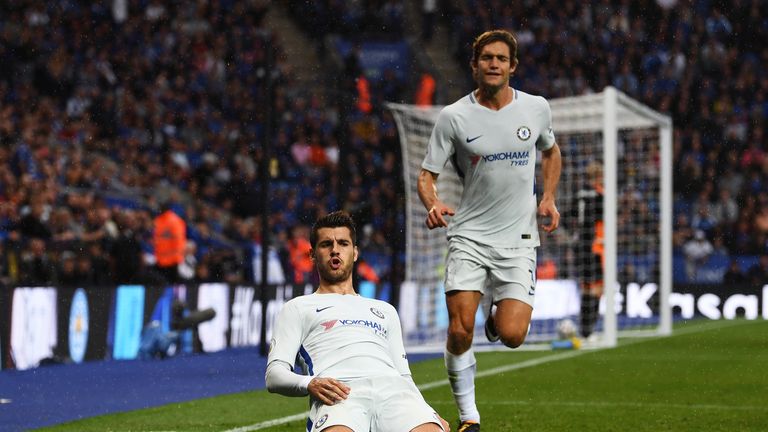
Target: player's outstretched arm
551	166
282	380
328	390
436	209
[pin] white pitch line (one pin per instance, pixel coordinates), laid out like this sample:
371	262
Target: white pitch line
515	366
501	369
529	363
268	423
619	404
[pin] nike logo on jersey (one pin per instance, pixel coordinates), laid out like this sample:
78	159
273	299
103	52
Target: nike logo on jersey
322	309
469	140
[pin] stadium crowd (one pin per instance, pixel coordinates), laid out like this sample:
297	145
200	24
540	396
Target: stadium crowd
108	113
696	60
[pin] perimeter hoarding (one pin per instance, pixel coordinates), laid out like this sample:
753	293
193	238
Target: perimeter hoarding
42	325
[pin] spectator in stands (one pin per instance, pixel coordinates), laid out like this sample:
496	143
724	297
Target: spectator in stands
33	224
126	256
734	275
697	251
681	232
389	88
703	219
36	267
63	228
755	155
352	67
203	272
85	274
67	272
758	273
428	12
719	250
626	81
5	264
761	219
742	238
99	226
725	209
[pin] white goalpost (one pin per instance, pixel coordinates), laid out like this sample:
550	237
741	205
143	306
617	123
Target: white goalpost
633	143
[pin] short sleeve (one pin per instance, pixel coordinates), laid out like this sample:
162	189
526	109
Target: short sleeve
440	147
547	137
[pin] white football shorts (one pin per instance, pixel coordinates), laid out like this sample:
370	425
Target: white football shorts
379	404
505	273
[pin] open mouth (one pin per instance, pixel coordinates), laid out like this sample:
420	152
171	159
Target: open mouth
335	263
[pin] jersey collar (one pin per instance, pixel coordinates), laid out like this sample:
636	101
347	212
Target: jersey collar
474	101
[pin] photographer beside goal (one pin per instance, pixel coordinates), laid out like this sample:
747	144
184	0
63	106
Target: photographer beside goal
491	137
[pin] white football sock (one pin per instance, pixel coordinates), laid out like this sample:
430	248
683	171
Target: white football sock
461	374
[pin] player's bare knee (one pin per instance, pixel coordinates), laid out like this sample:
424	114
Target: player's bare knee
460	333
427	427
513	339
459	339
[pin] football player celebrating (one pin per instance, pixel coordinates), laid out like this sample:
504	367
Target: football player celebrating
350	347
491	137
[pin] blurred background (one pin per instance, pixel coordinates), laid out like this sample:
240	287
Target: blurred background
249	119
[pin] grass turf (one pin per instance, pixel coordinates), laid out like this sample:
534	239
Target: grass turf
710	375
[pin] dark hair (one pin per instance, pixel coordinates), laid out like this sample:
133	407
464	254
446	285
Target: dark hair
333	220
495	36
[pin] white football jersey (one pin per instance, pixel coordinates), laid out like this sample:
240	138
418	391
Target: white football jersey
340	336
494	152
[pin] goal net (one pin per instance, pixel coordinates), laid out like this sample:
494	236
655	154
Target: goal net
608	140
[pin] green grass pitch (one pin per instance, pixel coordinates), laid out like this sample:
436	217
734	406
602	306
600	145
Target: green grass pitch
709	375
